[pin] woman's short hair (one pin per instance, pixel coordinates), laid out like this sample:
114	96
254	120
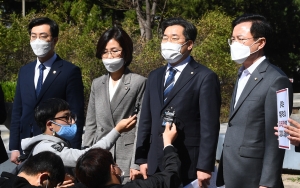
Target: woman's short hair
121	37
93	167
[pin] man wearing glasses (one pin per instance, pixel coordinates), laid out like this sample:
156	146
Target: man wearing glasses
251	157
47	77
189	90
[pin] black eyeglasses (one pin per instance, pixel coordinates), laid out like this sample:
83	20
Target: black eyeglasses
67	118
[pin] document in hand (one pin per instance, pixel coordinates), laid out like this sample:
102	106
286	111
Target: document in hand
213	179
283	116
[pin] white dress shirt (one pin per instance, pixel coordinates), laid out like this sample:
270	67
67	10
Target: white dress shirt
47	64
245	77
179	68
112	88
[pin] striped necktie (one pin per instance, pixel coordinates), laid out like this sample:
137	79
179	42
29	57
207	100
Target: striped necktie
169	83
40	80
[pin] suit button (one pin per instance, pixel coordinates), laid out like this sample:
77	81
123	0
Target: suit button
102	129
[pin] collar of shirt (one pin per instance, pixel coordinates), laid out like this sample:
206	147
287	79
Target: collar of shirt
47	63
255	64
180	66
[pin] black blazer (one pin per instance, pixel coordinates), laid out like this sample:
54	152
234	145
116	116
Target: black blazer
196	100
63	81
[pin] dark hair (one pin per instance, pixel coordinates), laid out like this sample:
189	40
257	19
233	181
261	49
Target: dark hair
45	162
260	26
44	20
189	32
47	111
121	37
93	167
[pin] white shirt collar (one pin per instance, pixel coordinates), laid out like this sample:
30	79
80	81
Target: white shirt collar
255	64
47	63
180	66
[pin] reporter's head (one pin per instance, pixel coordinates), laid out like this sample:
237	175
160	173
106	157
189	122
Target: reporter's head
96	168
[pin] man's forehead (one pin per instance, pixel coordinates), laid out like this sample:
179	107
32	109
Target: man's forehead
242	28
174	30
45	28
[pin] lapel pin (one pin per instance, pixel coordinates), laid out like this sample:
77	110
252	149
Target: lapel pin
126	88
255	79
192	72
54	72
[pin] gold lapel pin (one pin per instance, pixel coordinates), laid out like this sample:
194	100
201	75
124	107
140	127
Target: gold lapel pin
192	72
255	79
54	72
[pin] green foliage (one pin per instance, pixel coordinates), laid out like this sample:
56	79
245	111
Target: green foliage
212	50
9	89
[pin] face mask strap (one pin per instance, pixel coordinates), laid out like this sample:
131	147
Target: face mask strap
253	44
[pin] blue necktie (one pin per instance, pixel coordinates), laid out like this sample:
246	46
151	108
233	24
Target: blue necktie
169	83
40	80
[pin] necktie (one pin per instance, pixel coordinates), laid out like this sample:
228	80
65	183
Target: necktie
169	83
40	80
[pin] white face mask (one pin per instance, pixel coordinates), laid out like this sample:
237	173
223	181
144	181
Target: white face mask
240	52
40	47
113	65
171	51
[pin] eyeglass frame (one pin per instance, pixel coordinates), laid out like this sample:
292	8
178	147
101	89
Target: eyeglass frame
112	53
72	116
165	39
42	36
230	41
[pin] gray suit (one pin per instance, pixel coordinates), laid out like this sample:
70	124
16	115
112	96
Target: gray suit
251	156
103	115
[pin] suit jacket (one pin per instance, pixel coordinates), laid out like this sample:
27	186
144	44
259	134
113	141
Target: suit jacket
3	154
63	81
103	115
251	156
196	100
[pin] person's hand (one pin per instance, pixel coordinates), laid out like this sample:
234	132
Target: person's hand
262	187
14	157
294	132
144	170
67	183
169	134
126	125
203	178
135	174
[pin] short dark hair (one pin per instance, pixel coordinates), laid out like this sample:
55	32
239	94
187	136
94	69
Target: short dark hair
44	20
47	111
93	167
189	32
121	37
45	162
260	26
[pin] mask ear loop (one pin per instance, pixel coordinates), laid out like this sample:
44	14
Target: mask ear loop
253	44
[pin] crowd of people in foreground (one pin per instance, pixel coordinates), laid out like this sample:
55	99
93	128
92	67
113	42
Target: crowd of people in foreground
156	132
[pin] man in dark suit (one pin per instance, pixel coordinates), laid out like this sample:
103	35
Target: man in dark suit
251	157
47	77
3	154
193	91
